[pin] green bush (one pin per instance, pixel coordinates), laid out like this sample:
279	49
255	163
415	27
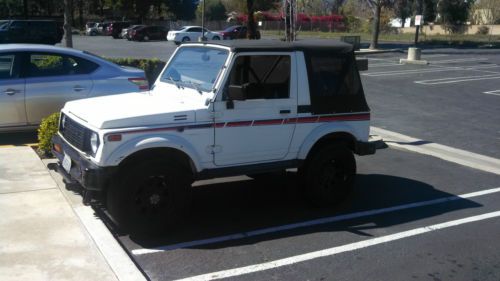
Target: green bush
48	128
152	67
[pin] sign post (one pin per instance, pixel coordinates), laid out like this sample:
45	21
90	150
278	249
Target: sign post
418	22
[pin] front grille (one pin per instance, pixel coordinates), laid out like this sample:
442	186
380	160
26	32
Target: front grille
75	134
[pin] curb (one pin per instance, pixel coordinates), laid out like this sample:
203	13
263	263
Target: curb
378	51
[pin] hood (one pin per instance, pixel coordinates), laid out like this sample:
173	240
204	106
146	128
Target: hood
134	110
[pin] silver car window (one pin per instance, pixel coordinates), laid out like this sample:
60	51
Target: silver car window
7	66
41	65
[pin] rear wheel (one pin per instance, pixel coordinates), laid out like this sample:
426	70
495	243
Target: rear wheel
216	38
329	175
150	197
185	39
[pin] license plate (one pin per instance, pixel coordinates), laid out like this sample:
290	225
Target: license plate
66	163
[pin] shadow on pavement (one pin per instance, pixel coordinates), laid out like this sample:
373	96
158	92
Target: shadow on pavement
237	207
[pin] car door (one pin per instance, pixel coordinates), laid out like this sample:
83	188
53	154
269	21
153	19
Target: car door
260	126
194	33
12	110
52	79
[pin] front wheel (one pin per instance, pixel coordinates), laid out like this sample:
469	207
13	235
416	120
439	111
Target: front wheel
329	175
216	38
150	197
185	39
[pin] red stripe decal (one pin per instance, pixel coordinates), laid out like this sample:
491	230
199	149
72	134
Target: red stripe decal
307	119
267	122
219	125
239	124
290	121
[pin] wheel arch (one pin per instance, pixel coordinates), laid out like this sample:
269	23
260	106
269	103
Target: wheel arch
319	138
168	146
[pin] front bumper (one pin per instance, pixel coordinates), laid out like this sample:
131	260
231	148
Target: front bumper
90	176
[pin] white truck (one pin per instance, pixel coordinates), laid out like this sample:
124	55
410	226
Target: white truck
219	109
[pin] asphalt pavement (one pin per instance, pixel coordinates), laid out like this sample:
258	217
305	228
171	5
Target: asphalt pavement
419	211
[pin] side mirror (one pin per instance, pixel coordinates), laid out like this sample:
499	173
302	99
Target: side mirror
236	92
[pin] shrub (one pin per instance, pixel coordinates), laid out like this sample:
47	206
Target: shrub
151	67
483	29
48	128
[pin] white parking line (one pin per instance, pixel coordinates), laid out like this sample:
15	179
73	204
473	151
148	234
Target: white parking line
339	249
458	156
315	222
495	93
452	80
458	60
427	70
384	65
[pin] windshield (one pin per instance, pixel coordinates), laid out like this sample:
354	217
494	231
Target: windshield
3	24
195	67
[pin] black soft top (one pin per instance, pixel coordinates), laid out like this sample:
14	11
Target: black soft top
313	45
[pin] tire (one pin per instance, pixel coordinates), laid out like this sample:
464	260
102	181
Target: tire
145	38
329	175
185	39
150	197
216	38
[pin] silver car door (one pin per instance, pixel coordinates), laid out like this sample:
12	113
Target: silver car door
52	80
12	110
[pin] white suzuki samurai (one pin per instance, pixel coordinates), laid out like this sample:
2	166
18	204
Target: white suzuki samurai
219	109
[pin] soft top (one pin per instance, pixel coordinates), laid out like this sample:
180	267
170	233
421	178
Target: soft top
277	45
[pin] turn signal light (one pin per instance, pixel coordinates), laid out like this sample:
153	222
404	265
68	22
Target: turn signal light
115	137
58	148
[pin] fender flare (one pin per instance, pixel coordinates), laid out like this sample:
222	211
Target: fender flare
322	131
153	141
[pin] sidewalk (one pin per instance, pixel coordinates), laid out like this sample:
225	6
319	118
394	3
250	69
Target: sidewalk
41	235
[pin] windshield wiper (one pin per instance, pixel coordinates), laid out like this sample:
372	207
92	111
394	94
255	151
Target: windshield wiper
176	83
196	86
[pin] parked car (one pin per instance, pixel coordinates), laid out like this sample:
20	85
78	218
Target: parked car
191	33
206	118
30	31
236	32
127	31
103	28
115	28
150	32
92	30
36	80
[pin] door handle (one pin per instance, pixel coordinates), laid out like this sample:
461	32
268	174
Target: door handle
285	111
78	88
10	92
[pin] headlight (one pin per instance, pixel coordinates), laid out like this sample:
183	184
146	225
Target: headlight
94	142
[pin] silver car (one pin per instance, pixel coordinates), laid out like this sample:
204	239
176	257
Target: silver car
37	80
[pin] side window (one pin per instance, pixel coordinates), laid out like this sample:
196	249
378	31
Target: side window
334	84
195	29
41	65
7	66
261	77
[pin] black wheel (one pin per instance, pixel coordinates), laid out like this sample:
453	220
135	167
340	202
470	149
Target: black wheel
185	39
145	38
150	197
216	38
329	175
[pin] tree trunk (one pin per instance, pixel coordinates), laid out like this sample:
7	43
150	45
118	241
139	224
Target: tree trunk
376	26
25	8
68	39
80	13
251	28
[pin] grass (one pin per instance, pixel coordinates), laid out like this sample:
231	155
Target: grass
452	39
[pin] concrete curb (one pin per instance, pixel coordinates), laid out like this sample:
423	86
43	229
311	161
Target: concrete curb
116	257
378	51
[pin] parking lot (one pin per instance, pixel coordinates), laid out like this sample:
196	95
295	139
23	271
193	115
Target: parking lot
412	216
425	206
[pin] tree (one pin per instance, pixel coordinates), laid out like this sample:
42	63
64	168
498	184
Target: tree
253	6
68	39
454	13
214	10
403	9
377	8
487	11
430	10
